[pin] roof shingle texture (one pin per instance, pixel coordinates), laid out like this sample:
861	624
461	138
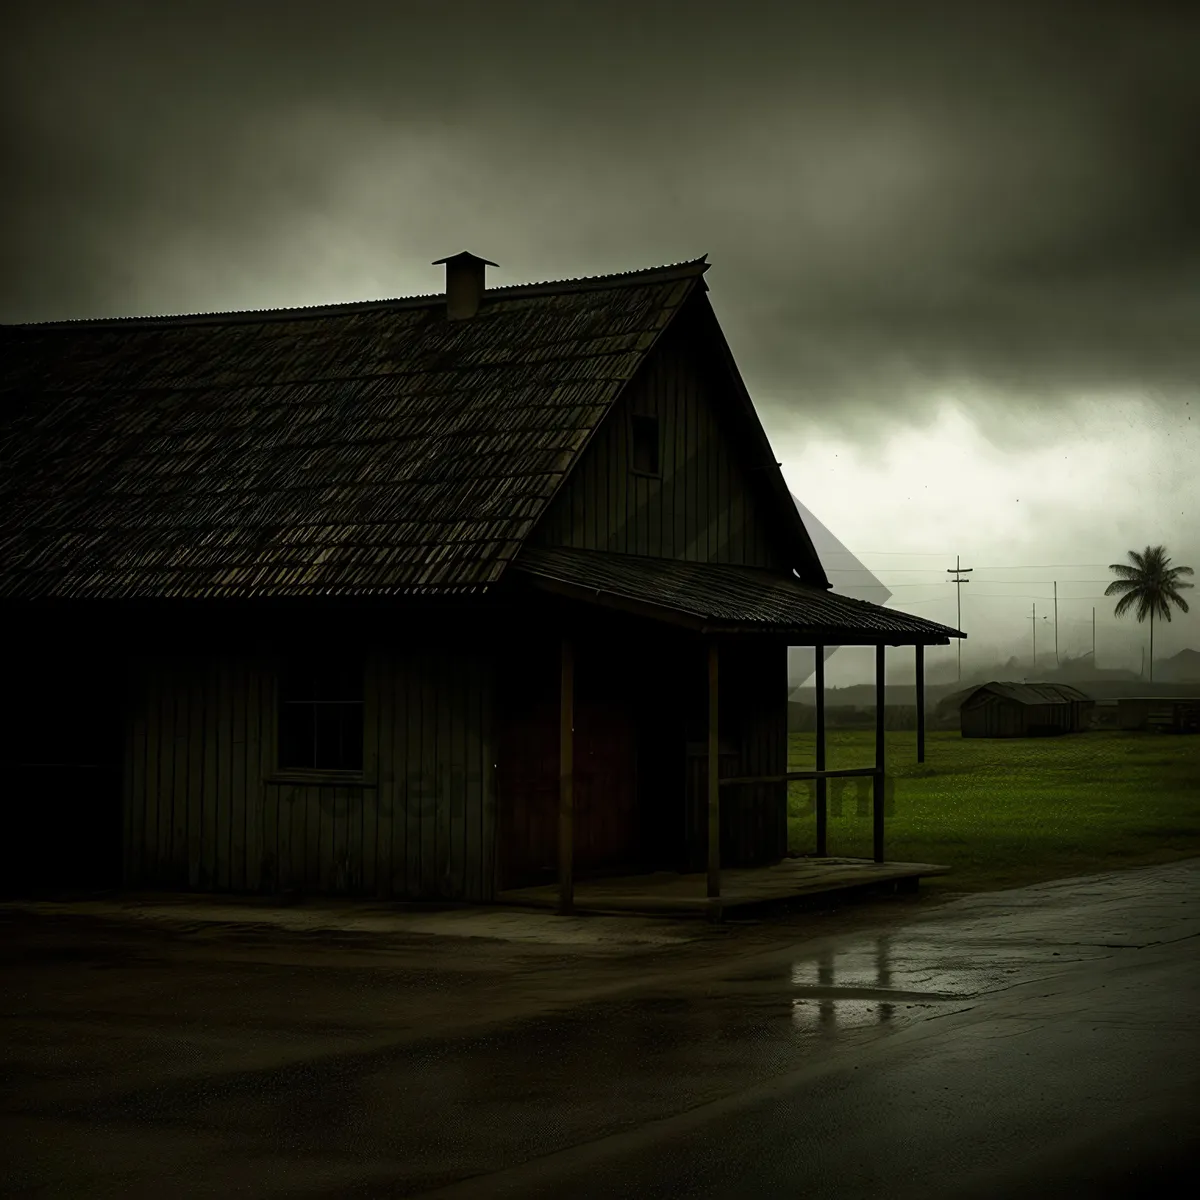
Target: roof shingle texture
1030	693
367	449
725	596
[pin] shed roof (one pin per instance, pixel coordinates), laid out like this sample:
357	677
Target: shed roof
373	448
1029	693
719	597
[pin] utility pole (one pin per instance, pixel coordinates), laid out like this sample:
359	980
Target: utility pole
958	570
1093	637
1034	619
1056	623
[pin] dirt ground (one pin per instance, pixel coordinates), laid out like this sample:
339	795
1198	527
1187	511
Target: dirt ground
199	974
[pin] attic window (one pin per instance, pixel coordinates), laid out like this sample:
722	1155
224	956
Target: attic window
321	717
644	432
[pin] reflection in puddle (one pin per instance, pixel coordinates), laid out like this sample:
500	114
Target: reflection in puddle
924	971
814	1015
827	1012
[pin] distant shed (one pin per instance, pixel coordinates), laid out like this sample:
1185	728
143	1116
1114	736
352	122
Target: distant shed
1024	710
1171	714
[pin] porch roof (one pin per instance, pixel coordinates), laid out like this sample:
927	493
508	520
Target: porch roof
724	598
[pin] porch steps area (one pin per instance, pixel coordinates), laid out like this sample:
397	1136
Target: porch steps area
685	894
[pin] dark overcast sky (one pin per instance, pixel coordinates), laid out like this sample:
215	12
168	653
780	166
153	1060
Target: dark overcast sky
917	214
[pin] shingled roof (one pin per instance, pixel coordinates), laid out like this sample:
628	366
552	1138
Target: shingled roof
362	448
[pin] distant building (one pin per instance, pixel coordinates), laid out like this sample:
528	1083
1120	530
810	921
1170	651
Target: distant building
1183	667
1172	714
1021	710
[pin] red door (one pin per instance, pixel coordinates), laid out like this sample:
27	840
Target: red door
606	816
527	792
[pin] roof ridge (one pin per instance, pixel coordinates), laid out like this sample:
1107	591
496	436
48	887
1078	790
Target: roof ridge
560	287
586	283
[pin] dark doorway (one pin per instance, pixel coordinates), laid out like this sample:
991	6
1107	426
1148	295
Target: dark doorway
61	751
607	827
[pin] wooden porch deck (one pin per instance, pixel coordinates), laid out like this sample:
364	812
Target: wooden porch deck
672	892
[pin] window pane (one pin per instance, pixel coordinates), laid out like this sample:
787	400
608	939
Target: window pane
645	444
296	735
352	737
338	737
320	715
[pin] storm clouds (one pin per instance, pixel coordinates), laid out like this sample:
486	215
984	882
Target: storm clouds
907	206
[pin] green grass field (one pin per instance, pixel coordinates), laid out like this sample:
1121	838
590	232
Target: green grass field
1003	813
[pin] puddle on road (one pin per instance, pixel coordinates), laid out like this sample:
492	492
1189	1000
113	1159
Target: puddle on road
832	1013
874	967
888	979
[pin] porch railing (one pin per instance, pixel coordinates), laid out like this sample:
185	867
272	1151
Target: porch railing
851	772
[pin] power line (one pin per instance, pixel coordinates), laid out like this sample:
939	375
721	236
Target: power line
1028	596
937	571
923	554
999	582
1056	622
1034	620
1005	596
959	571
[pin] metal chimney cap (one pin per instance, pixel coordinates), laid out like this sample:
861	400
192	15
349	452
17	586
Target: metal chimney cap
464	256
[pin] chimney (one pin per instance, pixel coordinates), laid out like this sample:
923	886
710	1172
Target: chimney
464	284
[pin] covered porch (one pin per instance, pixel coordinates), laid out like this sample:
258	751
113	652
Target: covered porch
725	607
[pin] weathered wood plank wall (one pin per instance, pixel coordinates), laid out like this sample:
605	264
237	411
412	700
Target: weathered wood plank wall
207	809
705	507
753	737
757	813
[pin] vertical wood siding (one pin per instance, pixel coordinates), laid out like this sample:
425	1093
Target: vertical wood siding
705	508
756	825
996	716
202	812
753	740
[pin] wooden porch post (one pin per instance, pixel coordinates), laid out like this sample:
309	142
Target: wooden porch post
920	703
822	788
714	790
566	781
877	798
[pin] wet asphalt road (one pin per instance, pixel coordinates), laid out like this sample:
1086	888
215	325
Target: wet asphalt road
1036	1042
1084	1083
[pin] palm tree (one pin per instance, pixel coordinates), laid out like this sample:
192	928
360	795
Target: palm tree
1149	581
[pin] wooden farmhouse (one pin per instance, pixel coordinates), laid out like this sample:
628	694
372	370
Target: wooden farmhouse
424	598
1024	710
